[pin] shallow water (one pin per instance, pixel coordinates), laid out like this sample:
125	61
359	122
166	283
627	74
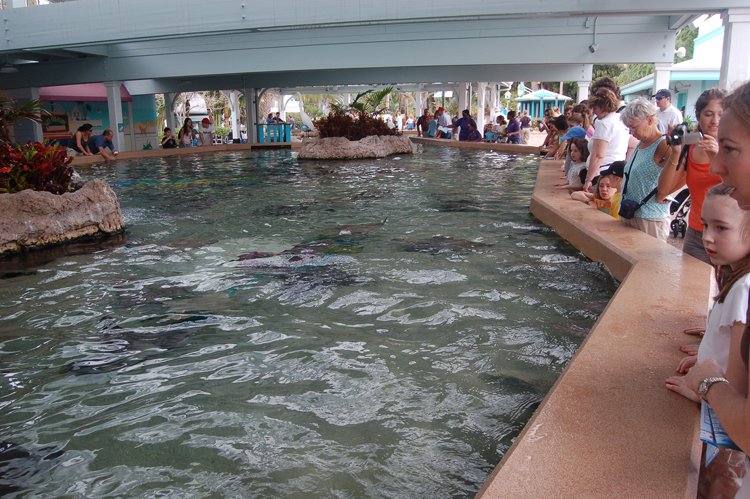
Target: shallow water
392	327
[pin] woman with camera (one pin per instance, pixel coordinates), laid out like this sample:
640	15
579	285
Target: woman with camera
647	181
694	166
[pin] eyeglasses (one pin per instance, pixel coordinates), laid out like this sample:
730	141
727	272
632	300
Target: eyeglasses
660	98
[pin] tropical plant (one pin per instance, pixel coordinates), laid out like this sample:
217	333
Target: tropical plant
30	166
34	166
341	121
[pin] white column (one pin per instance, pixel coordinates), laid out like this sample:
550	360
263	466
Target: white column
463	89
662	73
251	111
735	59
418	104
583	90
114	105
493	100
169	113
347	99
234	105
481	89
131	126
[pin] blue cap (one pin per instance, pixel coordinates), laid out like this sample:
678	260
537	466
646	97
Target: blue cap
577	132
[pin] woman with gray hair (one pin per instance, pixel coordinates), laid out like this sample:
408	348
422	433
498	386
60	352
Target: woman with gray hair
647	183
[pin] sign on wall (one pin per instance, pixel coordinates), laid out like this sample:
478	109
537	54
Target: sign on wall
55	123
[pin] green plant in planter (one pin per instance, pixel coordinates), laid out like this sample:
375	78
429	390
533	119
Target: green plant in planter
366	106
36	166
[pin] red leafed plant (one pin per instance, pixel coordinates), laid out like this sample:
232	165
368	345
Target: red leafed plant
30	166
34	166
366	105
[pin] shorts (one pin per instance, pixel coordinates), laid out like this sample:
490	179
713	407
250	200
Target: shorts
655	227
693	245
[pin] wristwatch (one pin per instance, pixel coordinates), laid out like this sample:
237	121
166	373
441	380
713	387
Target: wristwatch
706	384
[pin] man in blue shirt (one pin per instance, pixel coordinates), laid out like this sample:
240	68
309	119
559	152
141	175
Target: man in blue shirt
99	143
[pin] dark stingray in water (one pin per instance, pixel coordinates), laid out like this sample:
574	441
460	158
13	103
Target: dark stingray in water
18	464
440	244
315	253
458	205
120	346
305	284
283	209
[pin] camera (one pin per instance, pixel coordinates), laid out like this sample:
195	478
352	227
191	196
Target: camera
680	135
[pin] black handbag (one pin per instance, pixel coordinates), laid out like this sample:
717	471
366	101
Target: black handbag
628	207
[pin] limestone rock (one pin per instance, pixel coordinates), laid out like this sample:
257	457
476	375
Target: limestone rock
374	146
33	219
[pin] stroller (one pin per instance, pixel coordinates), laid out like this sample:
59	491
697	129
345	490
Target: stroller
678	212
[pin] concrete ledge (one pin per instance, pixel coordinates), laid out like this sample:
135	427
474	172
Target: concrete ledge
183	151
609	427
518	149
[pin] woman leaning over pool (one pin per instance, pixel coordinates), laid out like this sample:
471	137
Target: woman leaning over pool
729	397
650	172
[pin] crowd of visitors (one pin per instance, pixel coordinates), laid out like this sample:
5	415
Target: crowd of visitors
628	166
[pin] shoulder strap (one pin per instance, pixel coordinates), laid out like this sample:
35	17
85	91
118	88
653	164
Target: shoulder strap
627	179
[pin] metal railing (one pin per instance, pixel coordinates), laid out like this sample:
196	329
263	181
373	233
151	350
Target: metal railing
276	132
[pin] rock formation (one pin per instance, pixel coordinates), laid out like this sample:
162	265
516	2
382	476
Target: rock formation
34	219
374	146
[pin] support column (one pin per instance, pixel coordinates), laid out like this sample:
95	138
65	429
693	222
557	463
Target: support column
418	104
493	100
251	111
131	126
114	105
583	90
481	90
169	113
463	89
282	107
735	59
234	105
662	73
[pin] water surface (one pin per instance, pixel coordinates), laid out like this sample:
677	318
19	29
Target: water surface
392	326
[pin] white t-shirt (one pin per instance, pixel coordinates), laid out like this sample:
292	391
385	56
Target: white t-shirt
206	133
612	130
574	177
670	116
715	343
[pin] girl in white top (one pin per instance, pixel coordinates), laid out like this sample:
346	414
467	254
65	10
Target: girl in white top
726	236
579	153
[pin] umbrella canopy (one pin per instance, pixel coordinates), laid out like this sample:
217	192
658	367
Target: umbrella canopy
542	95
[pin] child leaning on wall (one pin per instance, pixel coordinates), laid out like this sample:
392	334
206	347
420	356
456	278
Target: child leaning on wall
726	236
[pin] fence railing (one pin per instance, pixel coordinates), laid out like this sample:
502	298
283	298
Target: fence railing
281	132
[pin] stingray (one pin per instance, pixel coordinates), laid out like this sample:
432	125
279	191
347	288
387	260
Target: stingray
313	254
18	464
354	229
283	209
458	205
440	244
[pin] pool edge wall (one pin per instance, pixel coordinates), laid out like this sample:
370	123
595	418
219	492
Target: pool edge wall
609	427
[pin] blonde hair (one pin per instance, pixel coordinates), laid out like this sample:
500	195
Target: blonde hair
725	276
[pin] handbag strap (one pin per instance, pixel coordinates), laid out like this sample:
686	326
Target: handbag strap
625	187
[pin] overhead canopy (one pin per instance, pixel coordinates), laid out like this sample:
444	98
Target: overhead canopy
542	95
91	92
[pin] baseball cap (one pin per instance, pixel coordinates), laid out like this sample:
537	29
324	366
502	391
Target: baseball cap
664	92
206	121
575	132
617	169
441	109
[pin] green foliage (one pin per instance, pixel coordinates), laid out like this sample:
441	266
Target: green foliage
633	72
34	166
609	70
685	38
222	131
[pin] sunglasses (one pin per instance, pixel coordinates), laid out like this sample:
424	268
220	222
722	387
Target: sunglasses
660	98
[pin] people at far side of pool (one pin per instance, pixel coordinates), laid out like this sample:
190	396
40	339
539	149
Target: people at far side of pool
98	144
